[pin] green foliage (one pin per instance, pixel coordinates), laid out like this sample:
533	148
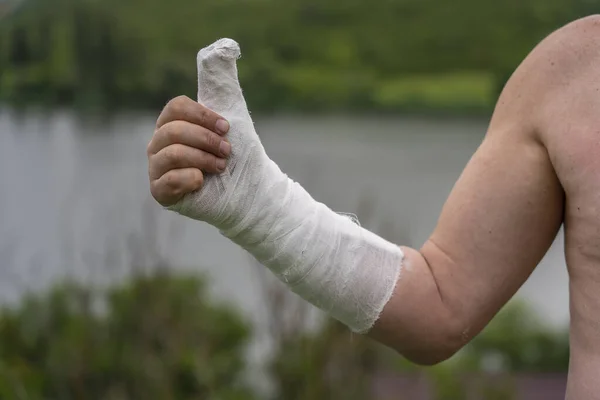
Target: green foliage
518	342
331	363
514	342
158	337
298	54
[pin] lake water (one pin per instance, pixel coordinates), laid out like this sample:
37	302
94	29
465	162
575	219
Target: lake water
74	197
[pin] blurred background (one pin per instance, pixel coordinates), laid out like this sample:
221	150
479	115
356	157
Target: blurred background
374	106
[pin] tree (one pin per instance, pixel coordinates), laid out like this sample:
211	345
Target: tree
301	54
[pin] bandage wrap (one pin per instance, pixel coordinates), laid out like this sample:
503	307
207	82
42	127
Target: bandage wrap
322	256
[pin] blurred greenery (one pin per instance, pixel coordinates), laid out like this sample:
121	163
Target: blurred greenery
157	337
161	337
329	364
332	364
517	341
301	55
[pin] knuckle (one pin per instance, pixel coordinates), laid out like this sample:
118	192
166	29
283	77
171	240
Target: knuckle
174	107
173	133
154	165
205	115
173	154
171	183
198	179
211	141
178	101
149	149
173	186
177	104
157	191
204	161
214	162
209	162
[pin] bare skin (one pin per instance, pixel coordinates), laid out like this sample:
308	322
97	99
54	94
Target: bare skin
537	168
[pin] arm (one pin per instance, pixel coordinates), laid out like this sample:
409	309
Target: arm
498	222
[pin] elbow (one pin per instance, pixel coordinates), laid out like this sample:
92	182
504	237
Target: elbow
430	357
434	346
419	324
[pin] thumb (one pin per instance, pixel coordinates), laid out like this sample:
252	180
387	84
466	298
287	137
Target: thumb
218	85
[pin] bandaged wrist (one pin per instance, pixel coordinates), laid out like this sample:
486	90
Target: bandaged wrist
324	257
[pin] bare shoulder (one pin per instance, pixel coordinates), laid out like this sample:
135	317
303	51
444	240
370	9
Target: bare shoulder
560	74
575	45
555	63
562	80
569	58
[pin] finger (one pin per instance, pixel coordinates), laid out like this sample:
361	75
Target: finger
176	183
178	156
186	109
182	132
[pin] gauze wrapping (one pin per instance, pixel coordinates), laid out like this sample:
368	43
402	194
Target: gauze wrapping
322	256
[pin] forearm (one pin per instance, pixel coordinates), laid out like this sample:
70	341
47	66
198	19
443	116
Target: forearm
355	275
326	258
342	268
